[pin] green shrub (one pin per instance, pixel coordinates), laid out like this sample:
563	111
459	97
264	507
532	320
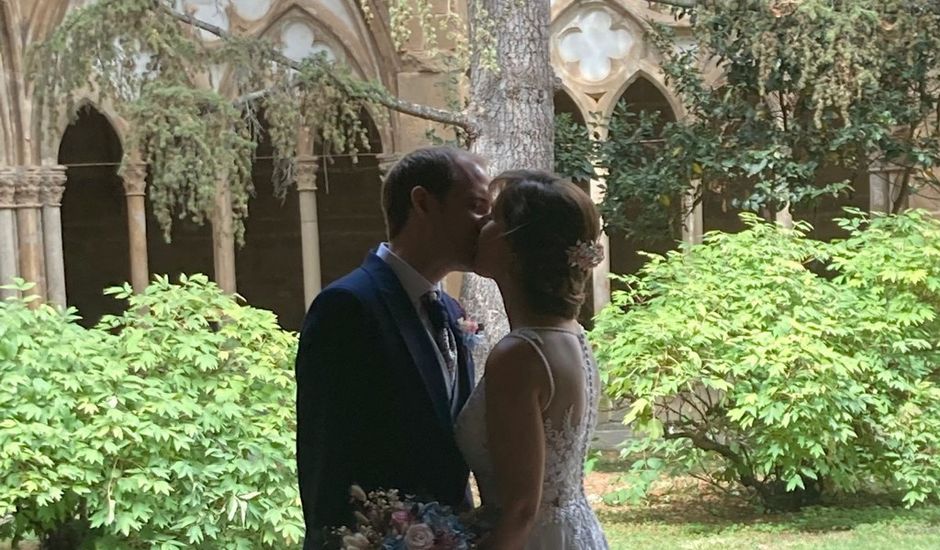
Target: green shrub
784	364
169	426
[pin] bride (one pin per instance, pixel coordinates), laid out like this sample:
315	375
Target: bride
525	430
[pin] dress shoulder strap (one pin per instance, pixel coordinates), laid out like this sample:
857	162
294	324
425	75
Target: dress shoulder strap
535	341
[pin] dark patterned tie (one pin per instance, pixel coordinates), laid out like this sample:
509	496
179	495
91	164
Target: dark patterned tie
440	329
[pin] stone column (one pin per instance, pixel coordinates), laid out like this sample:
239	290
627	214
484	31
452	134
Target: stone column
29	228
386	161
883	187
223	237
784	217
600	277
306	179
8	263
134	175
53	186
693	220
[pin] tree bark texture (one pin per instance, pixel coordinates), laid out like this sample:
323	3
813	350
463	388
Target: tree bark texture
513	111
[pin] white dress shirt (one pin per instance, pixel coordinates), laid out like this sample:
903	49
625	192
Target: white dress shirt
416	286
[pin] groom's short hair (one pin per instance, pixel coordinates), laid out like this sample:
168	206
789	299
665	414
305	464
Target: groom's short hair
436	169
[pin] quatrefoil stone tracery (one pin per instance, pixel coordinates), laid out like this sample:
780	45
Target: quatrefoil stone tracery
593	43
299	41
215	11
297	38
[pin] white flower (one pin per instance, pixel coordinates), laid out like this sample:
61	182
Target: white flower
357	541
585	255
357	493
419	537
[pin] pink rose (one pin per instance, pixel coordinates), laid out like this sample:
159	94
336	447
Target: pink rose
468	325
401	520
419	537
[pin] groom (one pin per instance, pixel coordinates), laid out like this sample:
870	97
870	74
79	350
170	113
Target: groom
382	369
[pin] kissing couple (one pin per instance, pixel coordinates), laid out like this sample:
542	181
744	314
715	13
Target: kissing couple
385	374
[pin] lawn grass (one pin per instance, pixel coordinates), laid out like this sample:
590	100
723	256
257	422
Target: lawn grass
816	528
687	515
875	528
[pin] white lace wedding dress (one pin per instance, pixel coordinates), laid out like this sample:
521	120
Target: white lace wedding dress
565	520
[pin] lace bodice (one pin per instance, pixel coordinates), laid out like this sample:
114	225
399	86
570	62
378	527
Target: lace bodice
565	519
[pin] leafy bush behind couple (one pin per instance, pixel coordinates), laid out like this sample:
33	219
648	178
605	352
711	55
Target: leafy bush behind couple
793	367
169	426
180	411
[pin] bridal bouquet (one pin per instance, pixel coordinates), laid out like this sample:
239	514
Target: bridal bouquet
386	522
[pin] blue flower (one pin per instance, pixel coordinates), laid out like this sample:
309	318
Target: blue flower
434	515
394	542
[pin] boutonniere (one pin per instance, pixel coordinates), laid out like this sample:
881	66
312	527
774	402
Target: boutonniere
470	331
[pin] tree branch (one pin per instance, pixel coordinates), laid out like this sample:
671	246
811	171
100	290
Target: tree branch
745	474
394	103
685	4
906	182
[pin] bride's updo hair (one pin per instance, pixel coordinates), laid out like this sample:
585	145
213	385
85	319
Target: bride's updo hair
544	216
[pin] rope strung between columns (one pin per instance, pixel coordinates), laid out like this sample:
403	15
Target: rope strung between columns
266	157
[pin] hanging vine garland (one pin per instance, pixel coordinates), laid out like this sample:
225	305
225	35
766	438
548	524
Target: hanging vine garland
145	57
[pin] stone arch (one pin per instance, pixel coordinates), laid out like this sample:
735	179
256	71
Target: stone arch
336	36
9	118
347	35
39	20
94	218
365	41
349	206
49	148
45	15
272	237
384	131
649	75
623	30
567	101
642	94
359	49
327	28
349	218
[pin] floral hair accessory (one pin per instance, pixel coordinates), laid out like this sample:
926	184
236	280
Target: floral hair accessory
585	255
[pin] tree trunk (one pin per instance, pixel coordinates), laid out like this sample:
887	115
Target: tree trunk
69	535
513	110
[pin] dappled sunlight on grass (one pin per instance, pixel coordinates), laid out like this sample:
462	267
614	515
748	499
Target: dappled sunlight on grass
685	514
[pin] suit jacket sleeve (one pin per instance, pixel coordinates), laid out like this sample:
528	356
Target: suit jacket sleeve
330	362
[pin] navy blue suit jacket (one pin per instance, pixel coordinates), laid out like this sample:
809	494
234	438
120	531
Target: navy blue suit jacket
372	405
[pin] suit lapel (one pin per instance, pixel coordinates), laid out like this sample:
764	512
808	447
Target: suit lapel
413	333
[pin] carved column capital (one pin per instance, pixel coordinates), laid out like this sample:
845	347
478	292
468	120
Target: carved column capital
28	187
306	173
53	185
386	161
134	176
7	187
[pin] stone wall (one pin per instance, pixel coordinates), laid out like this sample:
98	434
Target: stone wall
330	218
